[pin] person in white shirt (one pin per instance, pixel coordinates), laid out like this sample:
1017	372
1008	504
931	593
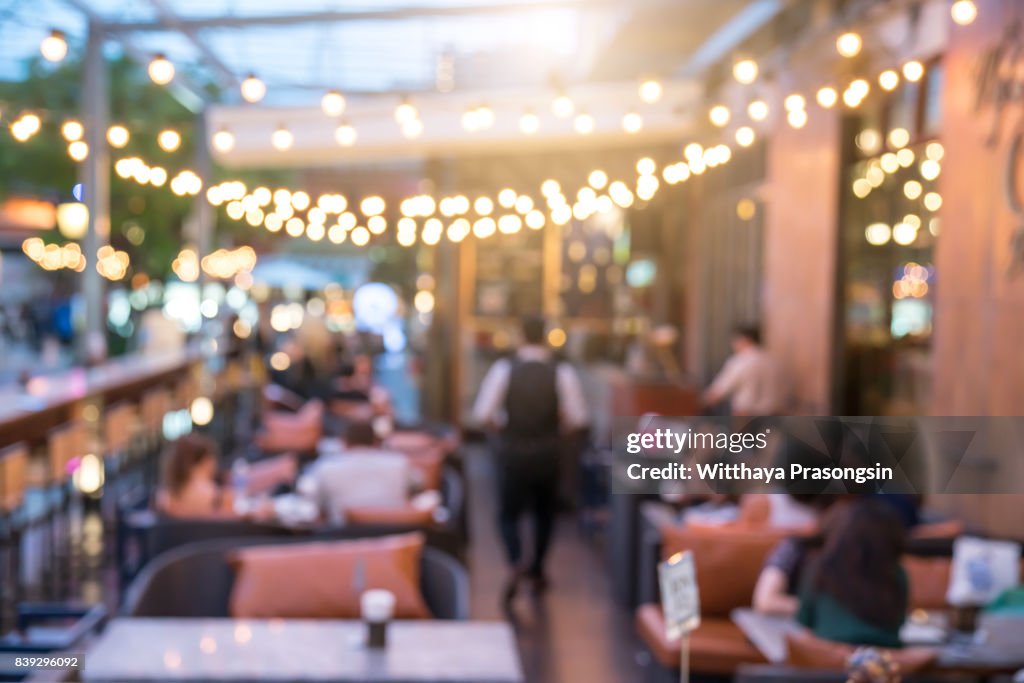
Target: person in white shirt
750	379
531	399
362	475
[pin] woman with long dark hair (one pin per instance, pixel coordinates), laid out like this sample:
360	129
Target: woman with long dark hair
188	486
856	590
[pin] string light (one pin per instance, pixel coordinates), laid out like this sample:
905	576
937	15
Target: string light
563	107
72	130
405	112
253	89
529	123
160	70
632	123
650	91
913	71
758	110
794	102
745	71
719	115
888	80
345	135
333	103
584	124
849	44
54	46
169	140
223	140
827	97
745	136
282	139
78	150
964	12
118	136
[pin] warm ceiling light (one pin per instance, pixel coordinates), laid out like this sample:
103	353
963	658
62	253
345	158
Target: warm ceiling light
484	116
223	140
758	110
888	80
412	128
913	71
651	91
345	135
849	44
253	89
282	139
827	97
584	124
646	166
795	101
719	115
632	123
797	118
563	107
333	103
529	123
598	179
54	47
745	136
117	136
78	150
161	70
964	12
745	71
72	130
169	140
405	112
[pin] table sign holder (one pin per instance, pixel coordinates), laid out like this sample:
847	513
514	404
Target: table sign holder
680	603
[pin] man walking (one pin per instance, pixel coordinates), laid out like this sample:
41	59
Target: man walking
750	379
531	398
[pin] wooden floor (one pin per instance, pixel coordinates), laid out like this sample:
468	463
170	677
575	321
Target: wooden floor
574	633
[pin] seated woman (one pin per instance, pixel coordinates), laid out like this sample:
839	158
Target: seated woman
779	582
188	486
855	590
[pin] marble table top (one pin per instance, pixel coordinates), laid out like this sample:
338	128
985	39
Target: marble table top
137	650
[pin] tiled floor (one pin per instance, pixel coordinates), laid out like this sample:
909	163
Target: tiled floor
575	633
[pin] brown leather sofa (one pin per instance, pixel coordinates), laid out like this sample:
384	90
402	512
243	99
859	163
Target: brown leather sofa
728	561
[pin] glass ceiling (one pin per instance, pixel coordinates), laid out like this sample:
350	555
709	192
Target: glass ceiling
299	61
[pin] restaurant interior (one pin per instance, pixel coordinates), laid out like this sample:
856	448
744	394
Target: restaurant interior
308	310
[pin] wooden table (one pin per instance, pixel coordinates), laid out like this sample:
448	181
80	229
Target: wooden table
151	650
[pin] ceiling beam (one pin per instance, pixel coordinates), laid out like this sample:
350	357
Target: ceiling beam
334	16
730	35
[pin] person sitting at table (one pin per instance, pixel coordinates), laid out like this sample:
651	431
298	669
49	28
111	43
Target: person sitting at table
779	581
855	590
188	486
361	475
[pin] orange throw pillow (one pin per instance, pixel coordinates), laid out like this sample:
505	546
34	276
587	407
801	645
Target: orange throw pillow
316	580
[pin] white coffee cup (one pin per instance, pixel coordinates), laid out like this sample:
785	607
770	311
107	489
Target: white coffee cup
377	605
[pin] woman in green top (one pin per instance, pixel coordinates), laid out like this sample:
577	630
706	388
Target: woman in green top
856	591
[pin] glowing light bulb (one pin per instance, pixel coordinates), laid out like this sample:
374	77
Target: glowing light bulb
849	44
584	124
745	136
964	12
333	103
745	71
345	135
169	140
117	136
282	139
719	115
913	71
651	91
72	130
529	123
223	140
888	80
632	123
563	106
827	97
253	89
758	110
54	47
